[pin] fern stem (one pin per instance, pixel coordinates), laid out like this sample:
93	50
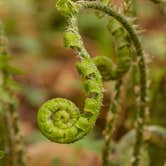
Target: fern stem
110	125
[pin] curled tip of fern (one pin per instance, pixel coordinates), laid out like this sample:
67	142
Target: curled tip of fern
57	119
60	120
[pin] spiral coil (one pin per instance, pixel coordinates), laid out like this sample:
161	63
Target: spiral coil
59	119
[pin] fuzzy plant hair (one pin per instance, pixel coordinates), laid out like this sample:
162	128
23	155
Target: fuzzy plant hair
59	119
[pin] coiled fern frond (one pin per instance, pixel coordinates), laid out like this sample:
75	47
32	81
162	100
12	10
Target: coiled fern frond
59	119
107	68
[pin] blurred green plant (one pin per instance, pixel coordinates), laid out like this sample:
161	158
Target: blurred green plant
2	154
55	162
10	139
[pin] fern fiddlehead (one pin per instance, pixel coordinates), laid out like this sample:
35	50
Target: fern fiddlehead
108	70
59	119
49	112
142	70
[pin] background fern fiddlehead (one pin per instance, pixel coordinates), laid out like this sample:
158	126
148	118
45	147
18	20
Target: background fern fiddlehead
108	70
59	119
142	69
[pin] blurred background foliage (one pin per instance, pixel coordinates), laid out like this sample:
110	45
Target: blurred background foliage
34	29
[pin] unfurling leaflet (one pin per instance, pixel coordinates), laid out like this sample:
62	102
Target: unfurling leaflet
108	70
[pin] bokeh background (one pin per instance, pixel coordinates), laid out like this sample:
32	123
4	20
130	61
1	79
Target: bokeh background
34	29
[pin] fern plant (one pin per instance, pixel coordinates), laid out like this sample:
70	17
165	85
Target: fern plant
59	119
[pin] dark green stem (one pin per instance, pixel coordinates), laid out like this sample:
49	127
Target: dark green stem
110	125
